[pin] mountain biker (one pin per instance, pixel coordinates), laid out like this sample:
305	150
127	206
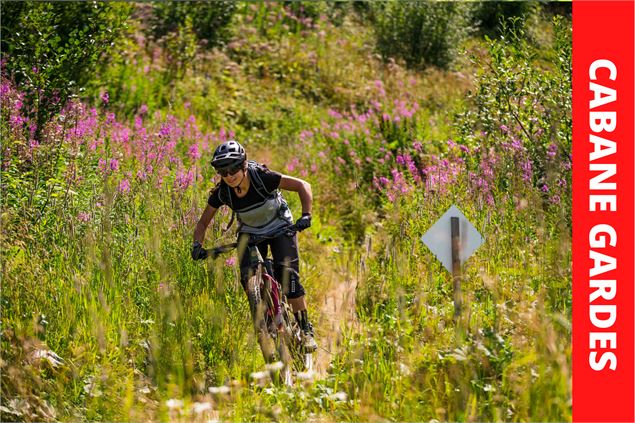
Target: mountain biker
253	192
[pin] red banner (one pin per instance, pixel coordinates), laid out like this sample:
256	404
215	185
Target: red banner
603	216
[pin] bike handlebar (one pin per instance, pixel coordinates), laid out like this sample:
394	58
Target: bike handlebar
253	240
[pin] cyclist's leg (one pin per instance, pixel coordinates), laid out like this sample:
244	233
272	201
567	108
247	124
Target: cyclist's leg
286	265
284	250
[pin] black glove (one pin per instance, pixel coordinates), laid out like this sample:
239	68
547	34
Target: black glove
198	252
303	222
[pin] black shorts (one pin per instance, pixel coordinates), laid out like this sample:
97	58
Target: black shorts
286	262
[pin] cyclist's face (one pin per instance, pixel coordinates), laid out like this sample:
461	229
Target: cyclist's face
233	177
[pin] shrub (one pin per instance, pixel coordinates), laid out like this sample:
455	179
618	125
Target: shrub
421	33
209	20
523	104
51	49
488	15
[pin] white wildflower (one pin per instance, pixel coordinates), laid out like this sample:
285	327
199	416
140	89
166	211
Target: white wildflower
339	396
174	404
219	390
273	367
405	370
201	407
305	375
91	388
259	375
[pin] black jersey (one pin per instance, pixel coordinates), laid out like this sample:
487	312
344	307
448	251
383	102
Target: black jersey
262	209
271	182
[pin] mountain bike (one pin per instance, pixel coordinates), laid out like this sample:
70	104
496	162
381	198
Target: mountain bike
278	332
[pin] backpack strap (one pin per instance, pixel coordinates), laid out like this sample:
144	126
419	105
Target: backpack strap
229	202
257	182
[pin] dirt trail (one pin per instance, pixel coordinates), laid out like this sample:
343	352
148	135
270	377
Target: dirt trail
337	309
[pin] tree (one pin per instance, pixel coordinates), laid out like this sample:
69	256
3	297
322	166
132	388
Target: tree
50	50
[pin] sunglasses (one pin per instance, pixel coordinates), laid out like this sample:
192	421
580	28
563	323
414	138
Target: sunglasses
229	170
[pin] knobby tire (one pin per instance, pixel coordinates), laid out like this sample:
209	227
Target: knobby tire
284	346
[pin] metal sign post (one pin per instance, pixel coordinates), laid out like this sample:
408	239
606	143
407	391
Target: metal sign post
456	265
453	239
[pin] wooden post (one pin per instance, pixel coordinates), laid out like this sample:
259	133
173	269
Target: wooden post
456	265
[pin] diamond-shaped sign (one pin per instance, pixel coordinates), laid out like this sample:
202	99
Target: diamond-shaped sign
439	239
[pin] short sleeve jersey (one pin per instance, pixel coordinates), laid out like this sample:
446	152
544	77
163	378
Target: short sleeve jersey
270	179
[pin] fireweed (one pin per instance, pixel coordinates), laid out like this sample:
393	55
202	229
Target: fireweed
378	148
147	150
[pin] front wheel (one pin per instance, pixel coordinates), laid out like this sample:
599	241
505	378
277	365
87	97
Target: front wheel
258	307
300	360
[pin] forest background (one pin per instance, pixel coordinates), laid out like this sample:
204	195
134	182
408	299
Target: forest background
393	111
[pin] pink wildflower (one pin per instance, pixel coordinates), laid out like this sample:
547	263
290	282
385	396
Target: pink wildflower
193	152
293	164
184	180
83	217
124	186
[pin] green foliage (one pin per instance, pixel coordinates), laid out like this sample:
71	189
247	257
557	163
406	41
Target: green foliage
524	103
180	46
51	49
208	20
488	15
333	11
421	33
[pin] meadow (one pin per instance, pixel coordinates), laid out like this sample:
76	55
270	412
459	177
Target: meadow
105	316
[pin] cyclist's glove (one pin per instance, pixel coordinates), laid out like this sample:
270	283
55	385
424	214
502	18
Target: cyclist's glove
198	252
303	222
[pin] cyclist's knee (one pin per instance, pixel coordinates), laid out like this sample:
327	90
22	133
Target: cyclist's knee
291	285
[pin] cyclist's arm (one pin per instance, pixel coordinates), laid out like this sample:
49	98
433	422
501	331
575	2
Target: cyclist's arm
303	188
203	223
